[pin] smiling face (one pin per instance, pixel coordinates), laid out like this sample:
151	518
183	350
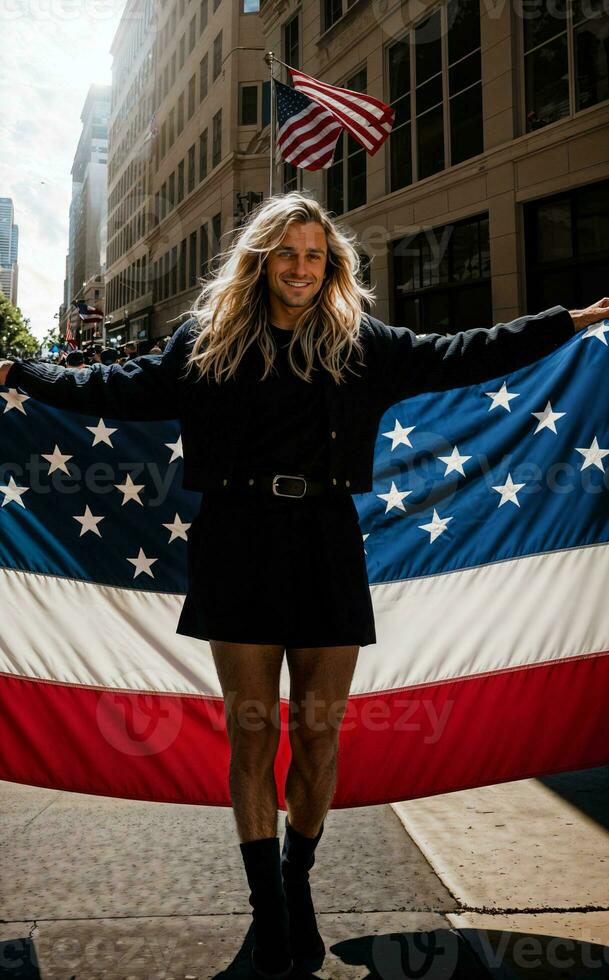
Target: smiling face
295	272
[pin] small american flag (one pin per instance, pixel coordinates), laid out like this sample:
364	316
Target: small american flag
312	115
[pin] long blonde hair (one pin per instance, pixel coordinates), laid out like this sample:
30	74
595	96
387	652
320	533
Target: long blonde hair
232	310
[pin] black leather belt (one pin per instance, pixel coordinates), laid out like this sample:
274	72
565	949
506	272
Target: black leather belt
281	485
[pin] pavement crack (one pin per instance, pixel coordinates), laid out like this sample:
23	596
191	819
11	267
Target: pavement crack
530	909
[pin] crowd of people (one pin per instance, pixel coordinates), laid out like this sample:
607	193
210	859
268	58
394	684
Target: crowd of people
96	353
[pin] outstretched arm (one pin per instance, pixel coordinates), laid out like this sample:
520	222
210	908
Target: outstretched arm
408	363
145	389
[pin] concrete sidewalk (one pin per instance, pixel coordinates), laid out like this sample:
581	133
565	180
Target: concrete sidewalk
118	889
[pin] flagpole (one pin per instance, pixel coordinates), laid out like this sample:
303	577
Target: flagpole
270	58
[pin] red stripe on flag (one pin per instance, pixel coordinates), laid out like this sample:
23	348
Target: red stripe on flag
397	745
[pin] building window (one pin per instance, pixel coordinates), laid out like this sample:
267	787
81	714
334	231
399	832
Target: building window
216	145
174	271
192	266
180	181
217	62
346	177
422	74
180	112
191	169
182	266
173	68
204	249
203	155
203	78
290	178
565	61
291	49
464	80
250	6
216	232
172	190
442	277
191	96
163	140
216	4
164	208
202	16
333	9
400	140
182	50
172	123
192	33
248	105
567	248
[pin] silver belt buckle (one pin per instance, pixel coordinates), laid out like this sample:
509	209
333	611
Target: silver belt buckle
286	476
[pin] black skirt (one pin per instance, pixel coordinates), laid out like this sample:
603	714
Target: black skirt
275	570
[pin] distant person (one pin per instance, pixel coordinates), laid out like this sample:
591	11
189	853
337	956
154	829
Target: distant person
109	355
75	359
130	349
155	350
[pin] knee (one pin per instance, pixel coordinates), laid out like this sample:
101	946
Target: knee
314	752
253	732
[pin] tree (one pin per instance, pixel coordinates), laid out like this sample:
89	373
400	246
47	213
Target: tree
15	338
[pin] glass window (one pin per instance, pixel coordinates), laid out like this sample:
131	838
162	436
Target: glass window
182	50
442	277
349	167
216	152
192	265
216	233
182	266
333	9
192	33
203	78
290	178
204	248
191	169
217	62
251	6
171	190
248	105
202	16
180	113
180	181
191	96
203	155
591	47
400	152
546	82
291	50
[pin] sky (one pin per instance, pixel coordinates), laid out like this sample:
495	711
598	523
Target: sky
52	50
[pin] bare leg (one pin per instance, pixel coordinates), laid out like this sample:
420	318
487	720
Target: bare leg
249	677
320	678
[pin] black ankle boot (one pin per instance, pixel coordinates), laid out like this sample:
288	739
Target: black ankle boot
297	859
271	956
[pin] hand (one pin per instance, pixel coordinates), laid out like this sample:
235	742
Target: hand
583	318
5	367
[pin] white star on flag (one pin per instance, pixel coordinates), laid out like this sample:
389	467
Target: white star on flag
394	497
547	419
142	564
89	522
101	432
508	491
130	490
57	459
176	449
178	529
14	400
436	527
454	462
597	330
364	536
501	398
13	492
399	435
593	456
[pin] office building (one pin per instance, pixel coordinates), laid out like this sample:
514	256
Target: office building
490	198
9	250
186	153
87	222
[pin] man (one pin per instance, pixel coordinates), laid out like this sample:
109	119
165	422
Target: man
306	268
75	360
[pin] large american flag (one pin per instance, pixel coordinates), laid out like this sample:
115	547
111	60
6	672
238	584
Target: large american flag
487	542
312	115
